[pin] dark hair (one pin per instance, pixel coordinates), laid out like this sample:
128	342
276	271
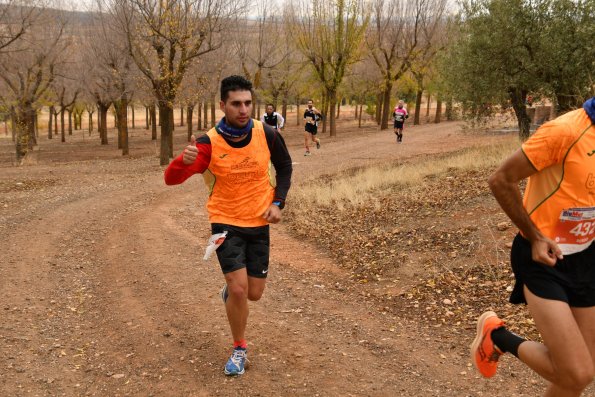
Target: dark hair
234	83
271	105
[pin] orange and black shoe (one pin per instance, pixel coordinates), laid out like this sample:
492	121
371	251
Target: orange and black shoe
484	354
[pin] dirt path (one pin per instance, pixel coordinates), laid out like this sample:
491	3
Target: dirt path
103	291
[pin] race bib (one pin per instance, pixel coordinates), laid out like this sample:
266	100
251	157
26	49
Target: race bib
575	229
399	117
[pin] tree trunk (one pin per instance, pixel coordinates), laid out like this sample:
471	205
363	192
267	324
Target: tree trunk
69	121
332	103
24	123
50	126
102	123
379	105
13	127
36	120
90	122
428	105
199	116
438	110
448	111
284	107
189	111
62	127
181	115
153	116
206	110
132	115
55	122
146	117
417	107
298	116
517	98
172	127
212	112
5	127
338	108
165	117
360	115
121	108
386	110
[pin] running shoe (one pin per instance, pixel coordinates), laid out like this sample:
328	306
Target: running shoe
224	293
484	353
307	153
237	361
318	144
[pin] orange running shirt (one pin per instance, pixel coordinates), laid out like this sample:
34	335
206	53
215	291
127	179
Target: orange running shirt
240	180
560	197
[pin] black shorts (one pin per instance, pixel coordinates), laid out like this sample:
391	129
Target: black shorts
399	124
244	247
311	129
572	280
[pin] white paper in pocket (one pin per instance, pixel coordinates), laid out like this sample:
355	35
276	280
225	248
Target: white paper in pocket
214	242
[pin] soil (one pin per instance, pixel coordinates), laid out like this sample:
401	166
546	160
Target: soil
103	290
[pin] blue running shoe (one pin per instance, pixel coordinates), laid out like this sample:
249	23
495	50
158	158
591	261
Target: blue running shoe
235	364
224	294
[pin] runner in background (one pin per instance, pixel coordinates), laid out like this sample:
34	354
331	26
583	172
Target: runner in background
552	257
311	118
400	114
235	159
272	118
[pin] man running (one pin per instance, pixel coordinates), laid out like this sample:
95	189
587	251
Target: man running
399	115
235	159
311	118
272	118
553	257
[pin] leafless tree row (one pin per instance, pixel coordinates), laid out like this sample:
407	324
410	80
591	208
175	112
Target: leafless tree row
171	54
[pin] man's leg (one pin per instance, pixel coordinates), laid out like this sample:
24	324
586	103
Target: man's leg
564	359
236	305
255	288
306	137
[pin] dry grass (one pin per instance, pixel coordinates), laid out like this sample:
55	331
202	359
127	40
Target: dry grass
358	186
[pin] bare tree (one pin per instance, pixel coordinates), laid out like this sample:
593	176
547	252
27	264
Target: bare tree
258	46
394	37
164	38
329	35
16	18
27	72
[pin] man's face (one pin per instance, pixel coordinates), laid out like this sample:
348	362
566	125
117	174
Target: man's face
310	104
269	109
237	108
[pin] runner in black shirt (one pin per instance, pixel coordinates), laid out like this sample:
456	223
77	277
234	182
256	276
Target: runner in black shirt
311	118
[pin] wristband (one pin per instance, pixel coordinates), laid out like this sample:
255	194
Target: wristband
279	204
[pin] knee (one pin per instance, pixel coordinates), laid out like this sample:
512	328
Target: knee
578	378
254	295
237	291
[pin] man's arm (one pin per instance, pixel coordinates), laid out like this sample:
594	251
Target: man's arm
504	184
281	120
281	161
194	159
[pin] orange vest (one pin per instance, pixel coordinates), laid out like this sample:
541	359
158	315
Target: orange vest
240	180
559	196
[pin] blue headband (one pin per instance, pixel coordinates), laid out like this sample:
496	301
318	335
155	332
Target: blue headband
226	130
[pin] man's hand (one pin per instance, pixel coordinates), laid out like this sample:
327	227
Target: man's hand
272	214
190	152
546	251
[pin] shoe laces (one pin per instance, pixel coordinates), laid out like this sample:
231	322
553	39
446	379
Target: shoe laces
238	356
